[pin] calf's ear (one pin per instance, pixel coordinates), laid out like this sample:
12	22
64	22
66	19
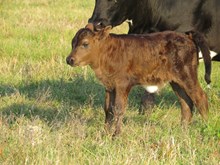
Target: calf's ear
90	26
107	29
104	32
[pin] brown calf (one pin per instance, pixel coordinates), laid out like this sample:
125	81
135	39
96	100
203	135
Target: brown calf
122	61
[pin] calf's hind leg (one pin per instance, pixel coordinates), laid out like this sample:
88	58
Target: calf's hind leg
199	98
185	102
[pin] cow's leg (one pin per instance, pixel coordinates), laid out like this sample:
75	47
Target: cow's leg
185	102
108	107
147	102
120	106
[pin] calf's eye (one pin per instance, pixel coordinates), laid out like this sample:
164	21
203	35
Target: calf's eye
85	45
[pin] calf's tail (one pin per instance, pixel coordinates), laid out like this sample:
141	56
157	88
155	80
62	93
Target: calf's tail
200	42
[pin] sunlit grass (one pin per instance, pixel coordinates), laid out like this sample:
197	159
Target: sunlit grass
51	113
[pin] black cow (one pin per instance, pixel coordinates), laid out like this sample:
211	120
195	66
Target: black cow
149	16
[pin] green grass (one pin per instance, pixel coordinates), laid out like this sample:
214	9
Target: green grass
51	113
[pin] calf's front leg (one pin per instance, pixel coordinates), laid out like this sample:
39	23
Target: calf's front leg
120	106
108	107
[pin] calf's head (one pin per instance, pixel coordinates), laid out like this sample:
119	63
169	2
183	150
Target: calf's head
86	46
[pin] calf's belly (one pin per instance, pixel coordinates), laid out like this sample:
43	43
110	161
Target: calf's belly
151	88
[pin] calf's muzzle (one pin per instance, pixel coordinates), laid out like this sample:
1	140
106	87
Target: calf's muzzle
70	61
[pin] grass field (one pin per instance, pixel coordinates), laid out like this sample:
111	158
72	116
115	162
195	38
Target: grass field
52	114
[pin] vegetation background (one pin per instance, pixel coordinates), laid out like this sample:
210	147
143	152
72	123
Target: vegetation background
51	113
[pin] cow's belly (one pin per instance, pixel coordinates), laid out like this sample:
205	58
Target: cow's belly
212	54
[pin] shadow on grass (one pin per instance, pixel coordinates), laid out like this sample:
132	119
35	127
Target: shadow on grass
56	99
73	92
30	111
50	99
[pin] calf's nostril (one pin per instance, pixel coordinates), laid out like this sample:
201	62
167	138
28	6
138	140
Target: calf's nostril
69	61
